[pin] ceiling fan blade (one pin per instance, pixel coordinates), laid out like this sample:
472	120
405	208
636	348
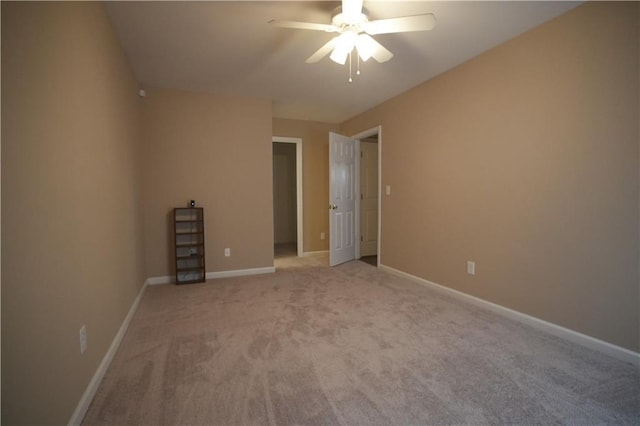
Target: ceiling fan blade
401	25
351	9
380	53
322	52
303	25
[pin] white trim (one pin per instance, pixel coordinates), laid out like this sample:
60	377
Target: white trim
615	351
89	393
166	279
379	194
170	279
299	199
240	272
357	207
285	139
315	253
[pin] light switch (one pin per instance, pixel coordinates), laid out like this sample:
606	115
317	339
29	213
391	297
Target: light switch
387	190
471	267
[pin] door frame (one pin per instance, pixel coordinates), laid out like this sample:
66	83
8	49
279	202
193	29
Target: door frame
299	203
363	135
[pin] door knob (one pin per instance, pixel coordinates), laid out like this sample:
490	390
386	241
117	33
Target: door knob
332	207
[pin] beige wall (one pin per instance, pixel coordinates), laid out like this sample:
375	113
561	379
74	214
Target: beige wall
216	150
71	246
315	193
525	160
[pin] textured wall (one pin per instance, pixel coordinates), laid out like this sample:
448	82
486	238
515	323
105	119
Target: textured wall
525	160
71	243
216	150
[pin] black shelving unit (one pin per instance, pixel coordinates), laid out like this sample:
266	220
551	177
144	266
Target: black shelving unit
188	227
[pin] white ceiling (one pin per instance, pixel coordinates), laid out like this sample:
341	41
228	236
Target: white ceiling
227	47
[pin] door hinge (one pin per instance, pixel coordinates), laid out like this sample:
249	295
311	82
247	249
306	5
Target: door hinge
362	196
361	238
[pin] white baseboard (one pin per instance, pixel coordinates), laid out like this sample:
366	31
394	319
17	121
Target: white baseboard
315	253
168	279
615	351
89	393
241	272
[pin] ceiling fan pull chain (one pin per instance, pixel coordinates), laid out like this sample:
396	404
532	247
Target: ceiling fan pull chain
358	70
350	79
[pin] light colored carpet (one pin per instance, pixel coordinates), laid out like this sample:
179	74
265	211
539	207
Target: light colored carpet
349	345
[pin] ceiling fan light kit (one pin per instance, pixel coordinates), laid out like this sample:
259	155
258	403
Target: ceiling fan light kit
366	46
344	45
351	22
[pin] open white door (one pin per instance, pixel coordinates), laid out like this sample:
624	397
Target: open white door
342	203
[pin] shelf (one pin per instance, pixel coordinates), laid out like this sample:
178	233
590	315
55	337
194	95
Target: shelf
188	224
204	279
183	245
190	269
191	256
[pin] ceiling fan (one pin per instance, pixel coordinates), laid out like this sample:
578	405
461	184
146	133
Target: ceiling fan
351	22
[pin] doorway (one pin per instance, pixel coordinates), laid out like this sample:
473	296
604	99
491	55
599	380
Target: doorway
287	196
369	203
369	200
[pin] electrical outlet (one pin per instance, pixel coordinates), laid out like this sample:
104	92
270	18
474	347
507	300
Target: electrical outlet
83	339
471	267
227	252
322	236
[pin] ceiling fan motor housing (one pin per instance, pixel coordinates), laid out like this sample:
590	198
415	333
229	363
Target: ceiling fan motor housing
341	21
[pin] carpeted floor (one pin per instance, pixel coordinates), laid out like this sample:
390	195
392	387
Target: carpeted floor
285	250
349	345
